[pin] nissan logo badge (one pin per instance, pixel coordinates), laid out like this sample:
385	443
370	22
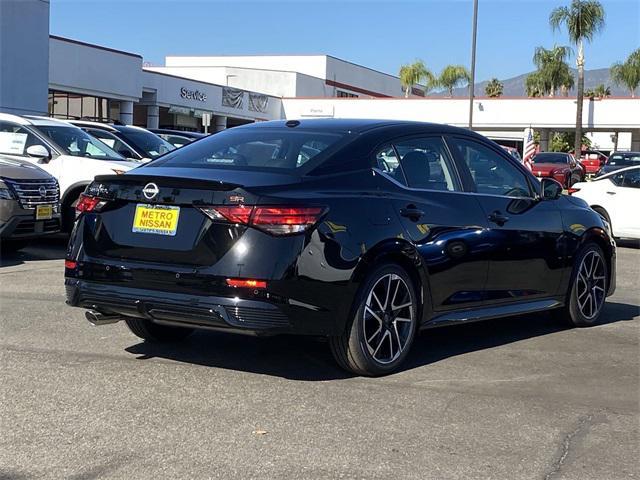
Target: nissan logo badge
42	191
150	191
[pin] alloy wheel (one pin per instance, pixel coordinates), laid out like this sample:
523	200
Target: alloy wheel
388	318
591	283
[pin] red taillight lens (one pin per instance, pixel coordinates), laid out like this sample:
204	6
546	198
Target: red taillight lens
87	203
246	283
70	264
277	220
572	190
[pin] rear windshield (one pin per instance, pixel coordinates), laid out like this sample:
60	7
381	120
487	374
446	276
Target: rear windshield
550	158
624	159
280	150
150	143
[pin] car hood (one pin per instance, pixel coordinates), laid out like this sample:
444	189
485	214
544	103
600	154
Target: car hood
21	170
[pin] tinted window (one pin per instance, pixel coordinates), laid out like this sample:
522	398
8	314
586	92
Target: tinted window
15	139
255	149
77	142
152	145
112	142
626	159
629	179
491	173
550	158
388	162
426	164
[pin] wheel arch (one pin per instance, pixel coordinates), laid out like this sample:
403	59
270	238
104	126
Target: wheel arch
601	238
403	253
76	187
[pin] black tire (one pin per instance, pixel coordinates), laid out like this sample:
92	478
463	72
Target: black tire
152	332
573	312
351	349
12	246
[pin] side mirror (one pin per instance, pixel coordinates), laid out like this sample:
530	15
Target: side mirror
551	189
39	151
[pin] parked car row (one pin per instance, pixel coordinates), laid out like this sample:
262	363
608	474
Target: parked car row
73	152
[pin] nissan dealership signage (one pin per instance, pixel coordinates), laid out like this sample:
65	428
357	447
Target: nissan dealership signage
193	94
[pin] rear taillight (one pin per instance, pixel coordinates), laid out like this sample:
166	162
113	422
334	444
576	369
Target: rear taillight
276	220
88	203
572	190
246	283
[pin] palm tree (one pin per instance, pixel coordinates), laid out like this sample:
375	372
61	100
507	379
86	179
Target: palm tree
602	91
582	19
412	74
494	88
453	76
627	73
552	65
536	85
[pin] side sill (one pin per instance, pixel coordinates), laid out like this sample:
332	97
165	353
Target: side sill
497	311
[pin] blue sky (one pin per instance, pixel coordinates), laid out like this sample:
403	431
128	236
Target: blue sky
375	33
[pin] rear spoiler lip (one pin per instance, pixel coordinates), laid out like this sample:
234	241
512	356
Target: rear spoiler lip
163	181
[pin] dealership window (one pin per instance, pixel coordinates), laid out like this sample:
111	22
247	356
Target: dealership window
343	94
74	106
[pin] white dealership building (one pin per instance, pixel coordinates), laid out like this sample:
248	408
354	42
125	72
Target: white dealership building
45	74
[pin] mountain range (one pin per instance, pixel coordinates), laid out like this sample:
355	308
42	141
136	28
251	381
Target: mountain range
515	86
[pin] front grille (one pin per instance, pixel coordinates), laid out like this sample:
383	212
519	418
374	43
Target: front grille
249	317
26	227
35	192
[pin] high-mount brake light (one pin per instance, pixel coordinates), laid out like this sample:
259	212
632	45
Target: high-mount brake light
88	203
276	219
246	283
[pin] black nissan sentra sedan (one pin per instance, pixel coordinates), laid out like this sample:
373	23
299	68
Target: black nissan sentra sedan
360	231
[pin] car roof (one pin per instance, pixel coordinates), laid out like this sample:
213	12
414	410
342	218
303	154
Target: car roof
31	120
181	133
90	124
350	125
626	154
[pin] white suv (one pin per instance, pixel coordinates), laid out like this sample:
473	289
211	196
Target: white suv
68	153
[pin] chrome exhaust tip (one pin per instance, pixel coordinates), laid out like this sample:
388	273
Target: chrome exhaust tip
97	318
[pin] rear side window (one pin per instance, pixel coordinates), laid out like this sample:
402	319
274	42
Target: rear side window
426	163
492	174
283	150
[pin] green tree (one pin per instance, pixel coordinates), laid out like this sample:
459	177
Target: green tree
628	73
413	74
563	142
453	76
494	88
583	19
535	85
601	91
553	69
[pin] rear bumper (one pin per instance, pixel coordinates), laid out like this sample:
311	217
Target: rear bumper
199	311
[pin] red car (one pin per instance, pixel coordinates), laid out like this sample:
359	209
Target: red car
592	160
559	166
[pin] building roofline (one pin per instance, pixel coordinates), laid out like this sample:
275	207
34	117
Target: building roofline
99	47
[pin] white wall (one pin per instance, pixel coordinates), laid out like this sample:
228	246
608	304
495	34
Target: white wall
88	69
24	56
489	114
363	78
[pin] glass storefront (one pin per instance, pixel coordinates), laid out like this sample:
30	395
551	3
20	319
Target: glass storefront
74	106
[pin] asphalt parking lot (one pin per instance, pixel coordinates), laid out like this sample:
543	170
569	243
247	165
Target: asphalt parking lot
519	398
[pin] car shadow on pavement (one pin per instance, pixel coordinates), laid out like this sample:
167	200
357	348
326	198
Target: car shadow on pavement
49	248
309	359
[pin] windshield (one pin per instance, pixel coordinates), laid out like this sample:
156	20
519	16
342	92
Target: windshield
282	150
77	142
152	145
624	159
550	158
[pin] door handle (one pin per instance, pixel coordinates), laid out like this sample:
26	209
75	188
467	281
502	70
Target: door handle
498	218
412	212
611	193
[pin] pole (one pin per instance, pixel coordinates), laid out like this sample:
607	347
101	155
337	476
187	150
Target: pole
473	61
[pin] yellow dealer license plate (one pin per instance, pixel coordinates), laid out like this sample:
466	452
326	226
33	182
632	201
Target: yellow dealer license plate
44	212
158	219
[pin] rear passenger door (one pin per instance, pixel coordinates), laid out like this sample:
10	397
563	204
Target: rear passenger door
523	239
438	218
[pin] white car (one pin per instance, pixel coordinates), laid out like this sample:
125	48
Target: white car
615	196
72	156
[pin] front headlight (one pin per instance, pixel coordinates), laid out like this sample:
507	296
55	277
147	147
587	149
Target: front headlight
5	193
